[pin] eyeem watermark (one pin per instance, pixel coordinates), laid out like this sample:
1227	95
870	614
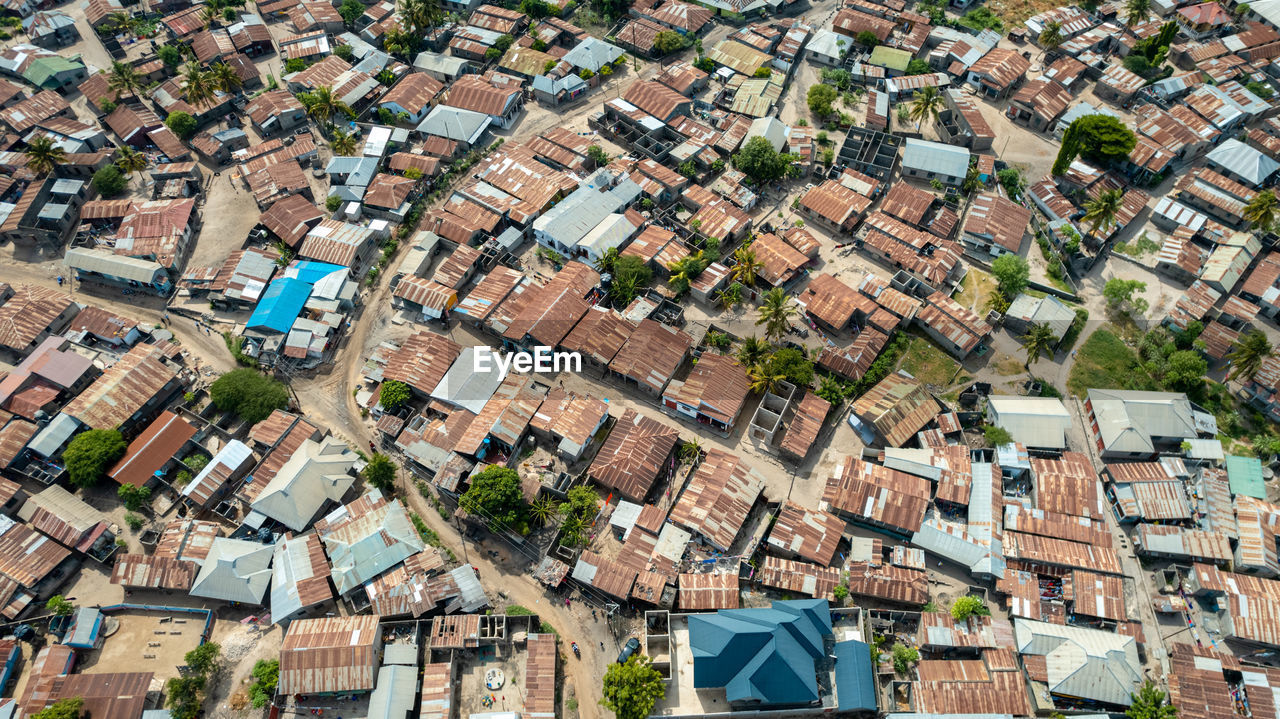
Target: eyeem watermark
541	359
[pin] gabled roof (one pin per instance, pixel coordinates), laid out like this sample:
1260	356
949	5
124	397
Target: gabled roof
1083	662
764	656
235	571
316	474
367	537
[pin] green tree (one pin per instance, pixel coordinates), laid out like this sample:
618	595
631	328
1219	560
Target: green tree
596	154
1101	138
791	363
927	105
996	436
1150	703
903	657
182	124
380	472
821	99
43	155
225	78
122	78
205	659
581	502
185	696
323	105
91	453
968	606
394	394
918	67
668	41
1051	36
775	314
1100	212
343	143
134	497
1260	211
108	181
1248	353
1038	341
630	690
753	351
345	52
197	84
764	377
170	56
1137	63
1120	293
1261	89
69	708
266	676
1011	273
1185	370
760	161
129	160
59	606
250	395
495	496
351	10
691	450
867	38
632	275
745	266
1013	182
1136	11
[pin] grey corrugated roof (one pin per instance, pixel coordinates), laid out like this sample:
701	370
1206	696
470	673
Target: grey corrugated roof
235	571
592	54
1033	421
1243	161
393	696
316	474
54	435
935	157
455	123
113	265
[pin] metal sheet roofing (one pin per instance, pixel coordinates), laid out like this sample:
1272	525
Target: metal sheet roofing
330	655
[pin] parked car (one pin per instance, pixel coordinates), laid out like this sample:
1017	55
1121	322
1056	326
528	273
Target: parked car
632	646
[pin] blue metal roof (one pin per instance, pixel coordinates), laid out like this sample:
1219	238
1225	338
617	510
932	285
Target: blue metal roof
311	271
855	680
280	305
764	656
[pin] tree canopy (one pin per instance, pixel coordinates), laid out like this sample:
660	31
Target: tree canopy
821	99
760	161
91	453
1120	295
249	394
630	690
69	708
668	41
1150	703
394	394
1100	138
968	606
59	606
380	471
109	181
266	676
182	124
495	496
1012	274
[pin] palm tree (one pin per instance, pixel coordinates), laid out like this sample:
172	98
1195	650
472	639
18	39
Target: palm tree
1038	340
1137	11
1100	212
684	271
746	266
343	144
1247	354
1261	210
421	15
225	78
543	509
775	314
928	104
212	12
43	155
129	160
197	84
605	263
324	105
123	79
624	290
572	528
121	22
1051	36
690	450
730	296
761	378
753	351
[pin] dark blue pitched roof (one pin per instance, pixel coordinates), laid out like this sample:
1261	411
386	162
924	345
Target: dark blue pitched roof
855	681
761	655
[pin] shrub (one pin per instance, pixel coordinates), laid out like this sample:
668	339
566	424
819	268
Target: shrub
332	203
394	394
968	606
134	521
250	395
266	676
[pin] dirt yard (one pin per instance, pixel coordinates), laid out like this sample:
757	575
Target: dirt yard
145	642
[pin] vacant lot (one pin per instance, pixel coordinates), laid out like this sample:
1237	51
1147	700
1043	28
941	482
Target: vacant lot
145	642
929	364
1104	361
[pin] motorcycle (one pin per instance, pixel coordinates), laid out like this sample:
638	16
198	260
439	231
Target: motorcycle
576	652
